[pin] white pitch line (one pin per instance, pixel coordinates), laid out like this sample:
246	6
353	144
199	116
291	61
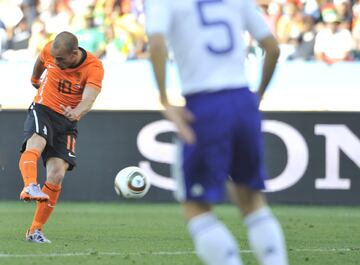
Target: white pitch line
325	250
161	253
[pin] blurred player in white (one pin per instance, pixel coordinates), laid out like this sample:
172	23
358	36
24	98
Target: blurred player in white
220	126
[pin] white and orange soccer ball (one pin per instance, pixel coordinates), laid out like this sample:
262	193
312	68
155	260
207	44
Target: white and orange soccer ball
132	183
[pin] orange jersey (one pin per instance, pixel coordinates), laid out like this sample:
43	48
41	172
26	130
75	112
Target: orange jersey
65	87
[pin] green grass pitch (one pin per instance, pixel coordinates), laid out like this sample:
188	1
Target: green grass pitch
155	234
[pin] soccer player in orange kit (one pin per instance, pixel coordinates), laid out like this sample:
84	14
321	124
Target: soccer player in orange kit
72	79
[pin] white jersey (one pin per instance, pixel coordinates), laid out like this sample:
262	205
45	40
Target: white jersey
207	38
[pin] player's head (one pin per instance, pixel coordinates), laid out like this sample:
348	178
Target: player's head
65	50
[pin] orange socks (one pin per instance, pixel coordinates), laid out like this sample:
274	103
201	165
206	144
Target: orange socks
44	209
28	166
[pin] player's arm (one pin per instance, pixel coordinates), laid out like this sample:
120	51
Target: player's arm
88	98
158	58
256	25
180	116
38	70
272	52
158	15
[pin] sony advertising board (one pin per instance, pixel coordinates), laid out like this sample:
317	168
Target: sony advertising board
312	157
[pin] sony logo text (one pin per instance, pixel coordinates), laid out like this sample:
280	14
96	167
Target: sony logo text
338	138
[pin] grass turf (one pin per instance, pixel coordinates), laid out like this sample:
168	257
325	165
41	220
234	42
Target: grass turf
148	234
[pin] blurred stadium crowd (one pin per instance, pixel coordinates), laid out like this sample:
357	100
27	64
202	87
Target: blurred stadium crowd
324	30
108	28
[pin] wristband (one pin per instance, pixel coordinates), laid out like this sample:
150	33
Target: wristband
35	80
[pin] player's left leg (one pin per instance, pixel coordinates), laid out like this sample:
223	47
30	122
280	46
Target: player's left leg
214	243
55	170
201	172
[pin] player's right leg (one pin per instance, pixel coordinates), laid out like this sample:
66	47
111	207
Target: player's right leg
248	179
36	132
28	168
264	231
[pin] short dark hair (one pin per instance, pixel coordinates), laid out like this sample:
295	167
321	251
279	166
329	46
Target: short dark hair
67	40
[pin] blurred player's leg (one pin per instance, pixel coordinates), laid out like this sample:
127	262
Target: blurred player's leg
266	237
264	232
214	244
248	175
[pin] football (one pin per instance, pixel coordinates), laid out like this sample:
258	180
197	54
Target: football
132	183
